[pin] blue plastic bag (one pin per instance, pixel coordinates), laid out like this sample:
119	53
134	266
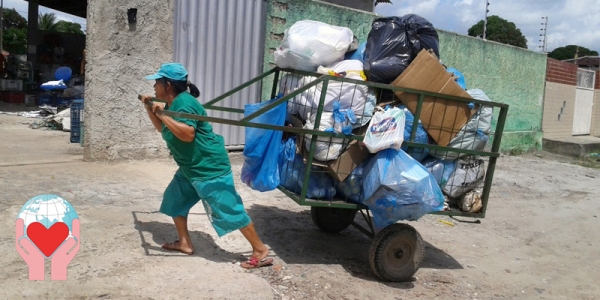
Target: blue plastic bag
292	170
440	169
358	54
396	187
261	152
420	137
351	188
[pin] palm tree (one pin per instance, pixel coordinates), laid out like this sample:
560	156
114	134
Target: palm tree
47	22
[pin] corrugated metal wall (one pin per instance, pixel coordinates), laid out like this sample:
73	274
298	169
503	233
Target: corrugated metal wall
221	43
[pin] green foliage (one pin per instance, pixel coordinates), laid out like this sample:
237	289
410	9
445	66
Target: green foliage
68	27
568	52
12	19
47	22
500	30
14	40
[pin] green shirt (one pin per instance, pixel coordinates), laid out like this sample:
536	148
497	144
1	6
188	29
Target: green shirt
205	157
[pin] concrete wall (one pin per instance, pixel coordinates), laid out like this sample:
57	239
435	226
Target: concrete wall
596	114
559	101
118	58
507	74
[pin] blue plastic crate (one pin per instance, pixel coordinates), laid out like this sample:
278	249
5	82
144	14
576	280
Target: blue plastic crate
60	101
46	99
76	120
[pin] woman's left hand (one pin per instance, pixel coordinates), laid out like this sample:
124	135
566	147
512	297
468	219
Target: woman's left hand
158	108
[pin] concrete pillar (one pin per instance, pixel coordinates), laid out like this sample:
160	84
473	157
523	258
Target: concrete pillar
32	30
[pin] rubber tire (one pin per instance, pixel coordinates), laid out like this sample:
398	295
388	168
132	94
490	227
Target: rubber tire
386	247
332	220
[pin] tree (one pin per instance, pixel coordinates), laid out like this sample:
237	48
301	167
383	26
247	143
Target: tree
501	31
68	27
14	32
14	40
12	19
568	52
47	22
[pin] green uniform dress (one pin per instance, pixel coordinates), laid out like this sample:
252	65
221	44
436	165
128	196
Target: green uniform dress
204	172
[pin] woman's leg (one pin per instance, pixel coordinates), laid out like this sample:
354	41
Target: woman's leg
259	250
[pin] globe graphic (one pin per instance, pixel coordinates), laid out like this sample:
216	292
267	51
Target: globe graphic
48	210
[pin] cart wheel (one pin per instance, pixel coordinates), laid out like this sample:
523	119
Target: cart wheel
332	220
396	253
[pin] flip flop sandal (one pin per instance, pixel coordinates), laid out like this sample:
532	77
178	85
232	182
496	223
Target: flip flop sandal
167	246
254	263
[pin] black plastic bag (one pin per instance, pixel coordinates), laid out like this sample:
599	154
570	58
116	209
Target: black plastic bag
394	42
421	34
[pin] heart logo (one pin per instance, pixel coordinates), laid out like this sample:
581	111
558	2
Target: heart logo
47	239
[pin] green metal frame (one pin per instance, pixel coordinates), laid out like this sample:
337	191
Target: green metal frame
324	80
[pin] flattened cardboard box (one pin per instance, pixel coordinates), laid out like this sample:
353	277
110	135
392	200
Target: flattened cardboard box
341	167
441	118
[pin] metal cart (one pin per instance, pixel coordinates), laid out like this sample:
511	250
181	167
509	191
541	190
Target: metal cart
397	250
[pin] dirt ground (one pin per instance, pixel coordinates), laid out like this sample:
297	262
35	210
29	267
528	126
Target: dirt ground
539	240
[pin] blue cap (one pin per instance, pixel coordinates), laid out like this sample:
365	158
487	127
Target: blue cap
173	71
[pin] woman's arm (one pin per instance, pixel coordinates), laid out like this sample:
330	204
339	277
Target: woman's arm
150	110
182	131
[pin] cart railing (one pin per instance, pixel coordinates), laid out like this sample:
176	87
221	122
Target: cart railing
274	76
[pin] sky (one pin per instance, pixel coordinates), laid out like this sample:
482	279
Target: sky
22	7
570	22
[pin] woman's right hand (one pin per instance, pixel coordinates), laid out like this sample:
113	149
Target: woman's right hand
146	98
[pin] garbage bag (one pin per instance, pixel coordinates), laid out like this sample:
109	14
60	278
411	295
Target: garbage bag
292	170
421	136
422	34
350	96
260	170
394	42
396	187
467	175
475	134
440	169
358	54
386	130
339	121
309	44
351	188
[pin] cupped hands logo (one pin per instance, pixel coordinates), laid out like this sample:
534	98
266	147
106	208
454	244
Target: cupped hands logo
47	227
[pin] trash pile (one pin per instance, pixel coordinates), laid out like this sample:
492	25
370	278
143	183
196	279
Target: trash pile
49	117
395	181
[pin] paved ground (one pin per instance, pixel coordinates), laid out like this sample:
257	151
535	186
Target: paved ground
539	239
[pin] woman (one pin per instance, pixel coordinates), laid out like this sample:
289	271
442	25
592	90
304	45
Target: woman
204	169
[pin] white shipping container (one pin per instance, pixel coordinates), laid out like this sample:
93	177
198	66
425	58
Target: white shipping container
11	85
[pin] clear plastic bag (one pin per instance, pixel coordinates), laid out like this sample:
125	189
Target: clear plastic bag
309	44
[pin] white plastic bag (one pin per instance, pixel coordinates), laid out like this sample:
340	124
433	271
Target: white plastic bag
326	148
466	176
386	129
309	44
350	96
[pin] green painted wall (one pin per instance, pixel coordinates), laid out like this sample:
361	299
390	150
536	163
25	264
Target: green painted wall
506	74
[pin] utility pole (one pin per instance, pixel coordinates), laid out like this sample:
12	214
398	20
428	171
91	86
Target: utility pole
487	10
543	35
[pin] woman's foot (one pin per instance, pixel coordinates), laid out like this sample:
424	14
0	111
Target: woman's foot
258	259
178	246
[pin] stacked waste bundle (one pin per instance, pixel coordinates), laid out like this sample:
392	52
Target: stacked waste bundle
395	181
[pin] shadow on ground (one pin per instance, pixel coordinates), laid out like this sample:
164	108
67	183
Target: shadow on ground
162	232
296	240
